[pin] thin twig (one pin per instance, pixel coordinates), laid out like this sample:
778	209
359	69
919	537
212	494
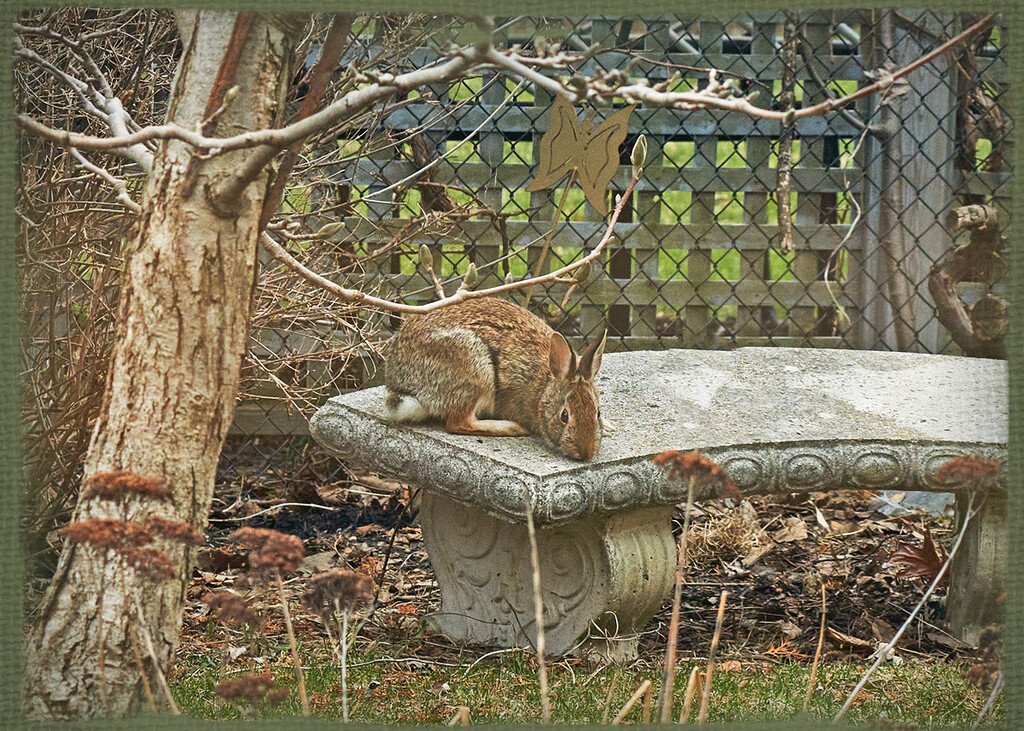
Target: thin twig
817	654
669	673
291	642
538	613
702	716
448	152
883	652
278	506
116	183
996	687
391	546
691	689
144	677
148	640
344	661
556	214
358	297
644	688
611	692
851	228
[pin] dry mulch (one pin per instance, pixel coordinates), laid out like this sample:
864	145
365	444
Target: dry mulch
772	554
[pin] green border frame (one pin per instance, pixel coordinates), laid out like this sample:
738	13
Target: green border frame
11	569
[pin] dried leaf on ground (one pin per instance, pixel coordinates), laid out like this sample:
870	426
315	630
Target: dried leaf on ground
793	530
925	560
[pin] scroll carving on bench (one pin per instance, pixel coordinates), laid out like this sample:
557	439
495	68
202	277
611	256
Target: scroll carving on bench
777	420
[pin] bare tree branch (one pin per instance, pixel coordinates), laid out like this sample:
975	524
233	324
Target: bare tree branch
330	55
119	185
715	96
350	105
719	96
100	102
359	297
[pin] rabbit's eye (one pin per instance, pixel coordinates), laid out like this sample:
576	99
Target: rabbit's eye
564	416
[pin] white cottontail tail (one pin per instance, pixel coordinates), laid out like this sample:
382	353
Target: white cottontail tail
487	366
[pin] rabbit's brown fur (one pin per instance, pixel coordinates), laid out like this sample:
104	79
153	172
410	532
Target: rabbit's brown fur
487	366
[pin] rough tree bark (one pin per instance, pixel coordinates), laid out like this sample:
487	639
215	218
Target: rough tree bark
104	626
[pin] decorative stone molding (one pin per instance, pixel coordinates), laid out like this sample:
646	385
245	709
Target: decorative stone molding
776	419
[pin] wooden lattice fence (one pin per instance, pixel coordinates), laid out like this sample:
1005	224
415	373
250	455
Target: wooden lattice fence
698	262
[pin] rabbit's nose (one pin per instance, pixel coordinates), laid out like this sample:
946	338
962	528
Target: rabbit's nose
585	452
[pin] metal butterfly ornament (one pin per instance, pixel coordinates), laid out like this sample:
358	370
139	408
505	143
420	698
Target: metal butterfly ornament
594	156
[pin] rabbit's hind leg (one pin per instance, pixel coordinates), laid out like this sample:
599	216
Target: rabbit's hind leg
464	420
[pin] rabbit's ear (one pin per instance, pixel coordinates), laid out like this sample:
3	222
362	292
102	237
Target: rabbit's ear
561	359
590	361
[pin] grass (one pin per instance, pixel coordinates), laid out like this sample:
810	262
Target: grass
503	689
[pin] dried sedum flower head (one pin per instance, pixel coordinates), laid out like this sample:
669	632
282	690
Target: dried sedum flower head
117	484
686	464
126	539
231	609
250	687
107	533
176	531
342	589
971	469
270	549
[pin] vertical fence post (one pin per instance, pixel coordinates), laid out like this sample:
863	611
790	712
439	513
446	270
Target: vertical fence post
811	208
491	149
702	211
752	320
927	131
657	43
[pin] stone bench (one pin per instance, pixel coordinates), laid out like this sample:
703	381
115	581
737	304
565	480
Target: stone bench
777	420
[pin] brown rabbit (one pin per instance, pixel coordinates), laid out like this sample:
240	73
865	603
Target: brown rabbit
487	366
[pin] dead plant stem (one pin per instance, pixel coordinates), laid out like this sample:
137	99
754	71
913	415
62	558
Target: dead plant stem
669	673
292	643
538	613
611	692
883	652
702	717
344	664
644	687
691	689
817	654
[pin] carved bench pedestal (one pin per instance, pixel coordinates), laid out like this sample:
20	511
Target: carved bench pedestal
601	579
778	420
977	576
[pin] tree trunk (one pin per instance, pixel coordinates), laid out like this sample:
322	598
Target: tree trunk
107	628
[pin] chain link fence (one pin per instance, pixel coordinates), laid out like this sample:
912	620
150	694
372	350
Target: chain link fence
700	258
703	256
